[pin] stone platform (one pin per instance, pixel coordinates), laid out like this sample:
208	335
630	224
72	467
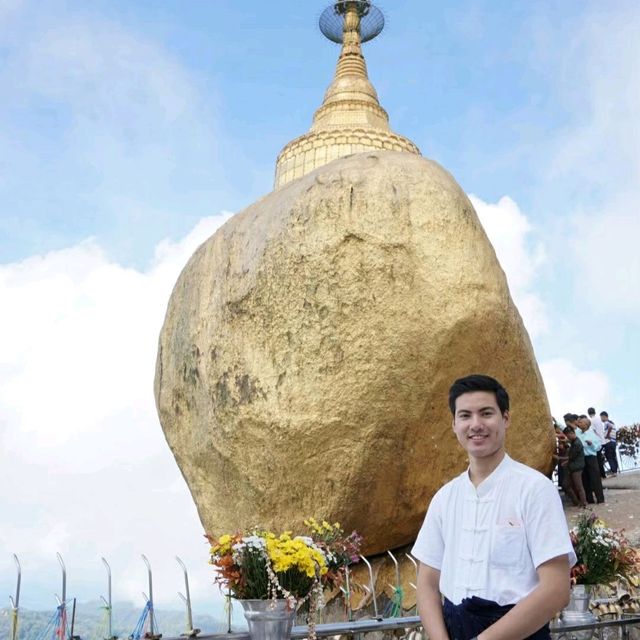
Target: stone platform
621	508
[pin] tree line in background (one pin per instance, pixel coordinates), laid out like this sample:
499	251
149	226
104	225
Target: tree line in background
628	440
91	624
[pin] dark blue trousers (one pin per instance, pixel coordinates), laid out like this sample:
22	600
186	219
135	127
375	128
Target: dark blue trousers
473	615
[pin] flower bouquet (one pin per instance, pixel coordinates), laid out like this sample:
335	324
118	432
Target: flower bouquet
260	565
605	577
603	553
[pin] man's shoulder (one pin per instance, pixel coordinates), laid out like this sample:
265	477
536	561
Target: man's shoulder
451	486
523	474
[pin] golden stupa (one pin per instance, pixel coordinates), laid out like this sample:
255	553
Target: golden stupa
350	119
309	344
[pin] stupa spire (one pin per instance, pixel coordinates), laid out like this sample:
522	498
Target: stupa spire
350	119
351	60
351	94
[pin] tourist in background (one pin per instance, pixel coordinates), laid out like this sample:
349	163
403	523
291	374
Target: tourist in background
610	444
598	427
574	467
562	447
591	475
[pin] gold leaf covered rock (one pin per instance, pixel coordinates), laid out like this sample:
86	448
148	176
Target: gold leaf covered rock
309	344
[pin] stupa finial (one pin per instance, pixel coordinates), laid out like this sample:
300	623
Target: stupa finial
351	59
350	119
348	16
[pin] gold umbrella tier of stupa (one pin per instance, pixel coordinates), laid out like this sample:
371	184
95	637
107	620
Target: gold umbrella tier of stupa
350	119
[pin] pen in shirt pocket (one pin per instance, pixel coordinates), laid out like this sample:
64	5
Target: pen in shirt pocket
513	523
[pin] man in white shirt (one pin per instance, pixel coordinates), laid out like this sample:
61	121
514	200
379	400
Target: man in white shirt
610	434
494	542
598	426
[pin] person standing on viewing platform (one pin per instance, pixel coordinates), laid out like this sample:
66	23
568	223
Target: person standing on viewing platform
591	475
610	442
574	466
598	427
562	447
494	542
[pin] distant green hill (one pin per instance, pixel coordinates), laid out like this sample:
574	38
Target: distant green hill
90	622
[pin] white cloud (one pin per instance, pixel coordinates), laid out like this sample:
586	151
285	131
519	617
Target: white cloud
570	389
596	155
605	254
104	132
598	79
7	7
510	234
85	467
120	88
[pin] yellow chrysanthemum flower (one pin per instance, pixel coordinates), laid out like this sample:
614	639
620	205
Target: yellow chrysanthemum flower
286	553
222	546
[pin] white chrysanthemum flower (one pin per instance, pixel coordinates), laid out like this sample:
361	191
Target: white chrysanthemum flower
255	542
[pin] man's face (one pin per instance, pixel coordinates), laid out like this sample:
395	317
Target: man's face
583	423
479	425
571	435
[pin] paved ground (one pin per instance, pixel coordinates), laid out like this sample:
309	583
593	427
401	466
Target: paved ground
621	508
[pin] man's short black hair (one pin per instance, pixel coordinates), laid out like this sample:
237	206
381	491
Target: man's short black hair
567	430
591	411
582	417
568	417
604	413
478	382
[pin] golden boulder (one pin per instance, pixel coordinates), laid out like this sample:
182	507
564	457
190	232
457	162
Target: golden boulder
309	344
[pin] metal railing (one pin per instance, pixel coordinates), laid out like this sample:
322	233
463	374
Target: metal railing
409	623
368	625
627	463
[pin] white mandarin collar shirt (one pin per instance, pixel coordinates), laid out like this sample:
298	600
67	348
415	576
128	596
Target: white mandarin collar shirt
598	427
488	541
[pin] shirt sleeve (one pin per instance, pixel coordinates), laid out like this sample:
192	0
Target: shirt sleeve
429	545
546	525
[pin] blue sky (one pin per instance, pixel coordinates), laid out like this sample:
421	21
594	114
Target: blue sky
130	130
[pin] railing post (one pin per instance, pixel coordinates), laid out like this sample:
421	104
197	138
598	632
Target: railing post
15	603
372	586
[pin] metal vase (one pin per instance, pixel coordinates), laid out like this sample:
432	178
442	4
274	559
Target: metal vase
577	613
269	619
580	598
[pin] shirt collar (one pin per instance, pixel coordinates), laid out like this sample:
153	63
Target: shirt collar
489	483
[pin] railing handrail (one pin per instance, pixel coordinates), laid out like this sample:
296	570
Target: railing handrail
389	624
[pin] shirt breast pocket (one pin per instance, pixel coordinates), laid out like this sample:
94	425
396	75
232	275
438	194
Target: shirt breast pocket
508	546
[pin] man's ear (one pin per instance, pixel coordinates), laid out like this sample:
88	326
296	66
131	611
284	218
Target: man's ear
507	419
